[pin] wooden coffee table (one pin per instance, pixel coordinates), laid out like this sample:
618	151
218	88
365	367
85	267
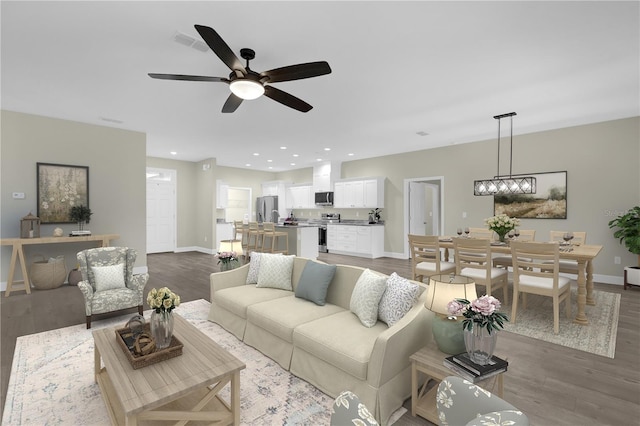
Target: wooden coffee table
182	388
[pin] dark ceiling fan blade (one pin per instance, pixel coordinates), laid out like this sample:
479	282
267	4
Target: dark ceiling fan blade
286	99
232	103
297	72
188	77
220	48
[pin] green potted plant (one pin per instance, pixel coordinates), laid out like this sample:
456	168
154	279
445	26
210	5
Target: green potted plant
628	232
80	214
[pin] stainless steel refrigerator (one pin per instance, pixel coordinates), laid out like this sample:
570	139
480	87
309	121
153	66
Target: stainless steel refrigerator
267	209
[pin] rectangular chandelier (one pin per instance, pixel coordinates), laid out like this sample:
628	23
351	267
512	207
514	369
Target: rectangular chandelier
505	185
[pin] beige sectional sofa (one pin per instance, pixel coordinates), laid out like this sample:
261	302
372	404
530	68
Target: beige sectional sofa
328	345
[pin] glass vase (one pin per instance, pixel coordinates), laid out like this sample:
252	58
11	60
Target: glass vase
480	344
162	328
227	266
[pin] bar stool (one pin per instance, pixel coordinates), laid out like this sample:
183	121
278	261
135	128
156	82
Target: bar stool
239	230
270	233
253	237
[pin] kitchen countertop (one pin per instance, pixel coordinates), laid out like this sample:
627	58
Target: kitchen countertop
357	223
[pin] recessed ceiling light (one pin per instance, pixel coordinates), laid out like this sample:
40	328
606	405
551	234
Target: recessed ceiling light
173	153
283	147
270	167
327	149
269	161
350	154
256	153
296	155
292	164
318	159
248	165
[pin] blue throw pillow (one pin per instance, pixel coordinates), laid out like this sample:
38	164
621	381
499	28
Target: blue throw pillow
314	282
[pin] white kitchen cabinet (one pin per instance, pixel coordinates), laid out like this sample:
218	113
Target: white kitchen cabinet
224	231
351	240
300	197
222	195
361	193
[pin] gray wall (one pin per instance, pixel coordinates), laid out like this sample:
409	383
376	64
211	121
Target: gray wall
116	161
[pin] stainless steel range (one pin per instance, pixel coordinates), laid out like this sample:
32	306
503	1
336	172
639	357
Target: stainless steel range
325	218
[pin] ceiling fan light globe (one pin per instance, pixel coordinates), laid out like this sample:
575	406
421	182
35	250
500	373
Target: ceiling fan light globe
247	89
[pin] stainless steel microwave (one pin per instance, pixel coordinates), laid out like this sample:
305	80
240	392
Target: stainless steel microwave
324	198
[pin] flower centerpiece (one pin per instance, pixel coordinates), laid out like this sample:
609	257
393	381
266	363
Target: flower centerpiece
481	323
501	224
163	302
227	259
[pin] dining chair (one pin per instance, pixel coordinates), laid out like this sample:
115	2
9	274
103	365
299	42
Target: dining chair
536	277
506	262
473	260
270	234
426	259
579	238
481	233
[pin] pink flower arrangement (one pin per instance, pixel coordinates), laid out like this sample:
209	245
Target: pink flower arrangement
482	311
227	256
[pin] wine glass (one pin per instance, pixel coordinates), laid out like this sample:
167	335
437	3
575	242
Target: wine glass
511	234
459	231
516	232
567	236
466	232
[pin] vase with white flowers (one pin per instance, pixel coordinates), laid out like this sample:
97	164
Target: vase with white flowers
163	302
501	224
481	324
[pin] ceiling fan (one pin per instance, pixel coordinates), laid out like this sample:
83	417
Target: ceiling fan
246	83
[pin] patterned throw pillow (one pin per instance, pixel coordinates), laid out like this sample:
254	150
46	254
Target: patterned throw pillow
109	277
397	300
254	267
275	271
366	297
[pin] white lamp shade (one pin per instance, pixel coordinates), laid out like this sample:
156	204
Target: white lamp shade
445	288
246	89
231	246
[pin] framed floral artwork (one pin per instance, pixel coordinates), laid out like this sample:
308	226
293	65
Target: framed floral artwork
61	187
549	201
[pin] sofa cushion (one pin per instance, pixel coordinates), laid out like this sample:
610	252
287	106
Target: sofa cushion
397	300
279	317
339	340
275	271
109	277
238	299
366	297
314	282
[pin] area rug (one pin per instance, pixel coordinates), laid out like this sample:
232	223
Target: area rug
598	337
52	379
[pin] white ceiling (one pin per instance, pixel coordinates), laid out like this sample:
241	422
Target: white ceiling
444	68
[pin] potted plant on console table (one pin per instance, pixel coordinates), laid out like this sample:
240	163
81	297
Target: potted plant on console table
628	231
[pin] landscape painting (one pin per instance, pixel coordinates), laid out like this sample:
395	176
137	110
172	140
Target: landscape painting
61	187
549	201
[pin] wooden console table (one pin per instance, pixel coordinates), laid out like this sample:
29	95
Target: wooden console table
18	254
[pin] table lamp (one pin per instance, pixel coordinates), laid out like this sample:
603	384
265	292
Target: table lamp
447	330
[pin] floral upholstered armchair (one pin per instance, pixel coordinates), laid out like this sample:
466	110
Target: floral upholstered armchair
108	283
460	402
348	410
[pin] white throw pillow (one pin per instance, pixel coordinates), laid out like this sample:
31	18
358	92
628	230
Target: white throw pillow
275	271
366	297
108	277
254	268
397	300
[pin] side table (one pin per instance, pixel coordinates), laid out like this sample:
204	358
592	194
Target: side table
429	361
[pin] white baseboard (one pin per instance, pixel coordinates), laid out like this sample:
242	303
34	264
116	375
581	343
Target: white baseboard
195	248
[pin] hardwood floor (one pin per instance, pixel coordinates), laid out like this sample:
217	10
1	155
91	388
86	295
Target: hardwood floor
552	384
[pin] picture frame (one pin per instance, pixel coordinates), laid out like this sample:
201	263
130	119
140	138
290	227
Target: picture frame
549	201
60	187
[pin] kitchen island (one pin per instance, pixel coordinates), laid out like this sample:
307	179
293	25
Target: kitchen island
303	240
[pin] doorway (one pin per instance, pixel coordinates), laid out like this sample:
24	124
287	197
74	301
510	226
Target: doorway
424	207
161	210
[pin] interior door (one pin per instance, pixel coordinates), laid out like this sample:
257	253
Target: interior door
417	209
161	210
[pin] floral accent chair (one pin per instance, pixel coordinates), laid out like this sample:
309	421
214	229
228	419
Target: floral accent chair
348	410
460	402
108	283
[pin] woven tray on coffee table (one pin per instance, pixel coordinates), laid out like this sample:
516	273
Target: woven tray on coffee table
139	361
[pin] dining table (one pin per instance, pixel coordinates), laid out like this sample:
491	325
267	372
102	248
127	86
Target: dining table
583	254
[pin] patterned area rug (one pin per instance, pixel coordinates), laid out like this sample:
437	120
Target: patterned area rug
52	379
599	337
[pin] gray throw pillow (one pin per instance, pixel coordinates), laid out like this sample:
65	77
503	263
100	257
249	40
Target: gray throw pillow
314	282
